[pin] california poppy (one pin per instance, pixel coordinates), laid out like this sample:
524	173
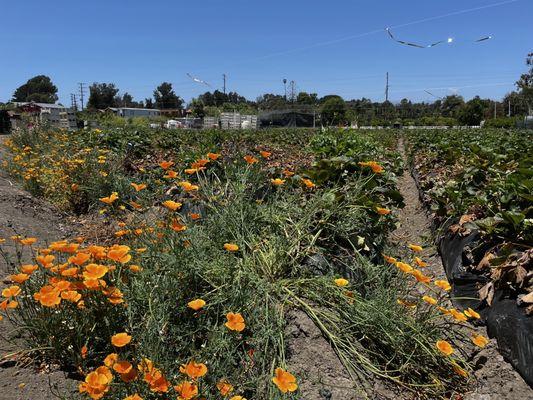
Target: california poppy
186	390
383	211
172	205
420	263
19	278
196	304
265	154
308	183
79	259
471	313
109	199
170	174
11	291
404	267
288	173
231	247
429	300
224	387
390	260
480	340
177	226
122	367
29	268
235	322
444	347
443	284
285	381
166	164
193	369
341	282
28	241
213	156
138	186
188	187
120	339
416	248
119	253
250	159
277	182
95	271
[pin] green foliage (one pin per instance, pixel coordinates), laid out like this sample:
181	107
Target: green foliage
165	97
333	111
39	89
102	96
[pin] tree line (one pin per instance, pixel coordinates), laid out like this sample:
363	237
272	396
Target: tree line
333	109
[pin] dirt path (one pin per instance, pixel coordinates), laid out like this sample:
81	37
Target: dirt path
496	379
20	213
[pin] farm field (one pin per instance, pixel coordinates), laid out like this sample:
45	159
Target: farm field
218	264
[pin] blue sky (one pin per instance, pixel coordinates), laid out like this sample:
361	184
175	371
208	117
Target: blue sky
325	47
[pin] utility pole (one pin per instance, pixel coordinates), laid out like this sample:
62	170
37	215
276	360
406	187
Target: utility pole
509	112
387	88
224	77
73	102
495	110
285	87
82	92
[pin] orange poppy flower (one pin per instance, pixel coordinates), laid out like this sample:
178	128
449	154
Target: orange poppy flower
177	226
480	340
195	216
341	282
119	253
457	315
135	205
170	174
138	186
250	159
188	187
45	260
458	370
71	295
114	295
157	381
28	241
186	390
110	359
429	300
122	367
83	352
420	263
95	271
200	163
287	173
135	268
11	291
97	383
383	211
19	278
166	164
60	285
120	339
231	247
443	284
172	205
110	199
390	260
70	271
29	268
48	296
196	304
133	397
8	304
444	347
277	182
191	171
471	313
265	154
404	267
213	156
79	259
224	387
420	277
376	168
129	376
416	248
237	398
193	370
285	381
308	183
235	322
98	252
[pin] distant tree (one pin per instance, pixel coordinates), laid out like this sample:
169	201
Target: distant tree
472	112
269	101
148	103
39	89
102	95
333	110
197	108
307	98
516	102
451	104
525	84
166	98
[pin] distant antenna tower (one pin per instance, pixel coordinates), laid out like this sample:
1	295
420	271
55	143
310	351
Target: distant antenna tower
82	93
73	102
285	87
224	77
293	91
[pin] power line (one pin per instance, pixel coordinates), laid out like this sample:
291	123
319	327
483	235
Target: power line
73	102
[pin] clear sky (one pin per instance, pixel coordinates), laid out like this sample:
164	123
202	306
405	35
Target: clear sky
336	46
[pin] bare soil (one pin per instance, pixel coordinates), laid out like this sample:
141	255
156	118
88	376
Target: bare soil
495	378
21	377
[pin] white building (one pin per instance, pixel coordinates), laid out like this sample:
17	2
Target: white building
129	112
56	115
